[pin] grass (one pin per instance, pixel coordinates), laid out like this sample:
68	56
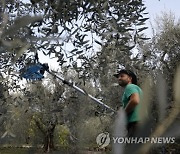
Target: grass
12	150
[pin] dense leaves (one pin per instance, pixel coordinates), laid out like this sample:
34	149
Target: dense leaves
69	28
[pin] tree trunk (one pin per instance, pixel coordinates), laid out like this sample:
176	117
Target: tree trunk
49	139
48	132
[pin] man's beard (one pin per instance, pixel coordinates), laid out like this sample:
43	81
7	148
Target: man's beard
122	83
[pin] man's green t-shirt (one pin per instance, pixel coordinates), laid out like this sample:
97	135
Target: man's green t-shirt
128	91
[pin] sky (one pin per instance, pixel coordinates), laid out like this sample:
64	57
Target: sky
157	7
154	8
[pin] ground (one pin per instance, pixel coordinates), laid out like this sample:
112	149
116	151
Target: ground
40	151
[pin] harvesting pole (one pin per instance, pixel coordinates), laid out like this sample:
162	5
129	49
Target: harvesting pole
71	84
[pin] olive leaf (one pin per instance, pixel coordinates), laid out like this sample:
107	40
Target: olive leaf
20	23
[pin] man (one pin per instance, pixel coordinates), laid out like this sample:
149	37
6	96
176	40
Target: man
131	98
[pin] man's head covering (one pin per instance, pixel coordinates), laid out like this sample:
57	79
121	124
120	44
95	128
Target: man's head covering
129	73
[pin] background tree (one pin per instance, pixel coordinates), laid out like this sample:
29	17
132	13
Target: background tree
161	56
42	102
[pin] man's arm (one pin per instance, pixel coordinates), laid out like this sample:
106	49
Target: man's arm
134	100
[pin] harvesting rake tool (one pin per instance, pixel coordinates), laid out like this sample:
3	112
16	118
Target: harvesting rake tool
36	72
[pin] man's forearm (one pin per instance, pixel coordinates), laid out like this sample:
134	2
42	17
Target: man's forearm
130	106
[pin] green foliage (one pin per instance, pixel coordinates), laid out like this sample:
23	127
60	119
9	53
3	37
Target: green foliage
63	136
79	24
89	129
14	150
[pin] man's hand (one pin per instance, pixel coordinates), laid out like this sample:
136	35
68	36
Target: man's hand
134	100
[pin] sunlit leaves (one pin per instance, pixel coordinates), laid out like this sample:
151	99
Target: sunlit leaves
82	17
20	23
70	29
